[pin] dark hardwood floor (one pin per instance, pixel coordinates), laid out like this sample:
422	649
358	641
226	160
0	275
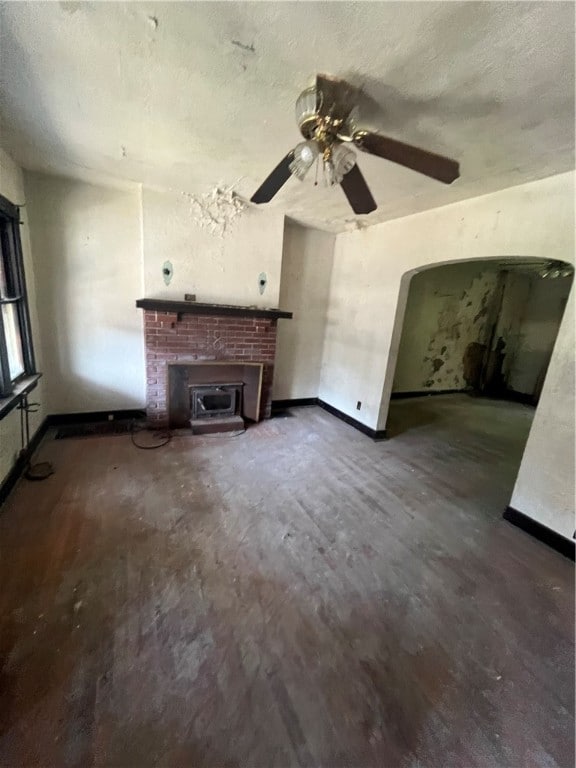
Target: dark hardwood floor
296	596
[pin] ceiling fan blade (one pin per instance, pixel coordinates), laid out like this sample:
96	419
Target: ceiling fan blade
275	181
357	191
338	97
420	160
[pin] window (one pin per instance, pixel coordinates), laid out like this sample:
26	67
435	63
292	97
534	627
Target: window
16	353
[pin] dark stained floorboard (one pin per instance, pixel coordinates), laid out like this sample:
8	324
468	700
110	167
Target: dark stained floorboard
296	596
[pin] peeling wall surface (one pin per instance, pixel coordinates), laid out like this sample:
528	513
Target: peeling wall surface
86	249
306	267
515	287
447	317
12	188
473	325
217	254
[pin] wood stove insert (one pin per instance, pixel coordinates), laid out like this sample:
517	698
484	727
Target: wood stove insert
204	395
208	401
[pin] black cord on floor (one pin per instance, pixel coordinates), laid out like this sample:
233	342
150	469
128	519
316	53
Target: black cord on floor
224	434
167	437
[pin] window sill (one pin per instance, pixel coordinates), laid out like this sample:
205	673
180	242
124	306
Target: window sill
21	388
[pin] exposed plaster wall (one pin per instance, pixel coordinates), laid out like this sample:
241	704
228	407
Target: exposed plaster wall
216	210
86	243
545	487
447	318
217	255
368	293
306	266
516	288
12	187
450	315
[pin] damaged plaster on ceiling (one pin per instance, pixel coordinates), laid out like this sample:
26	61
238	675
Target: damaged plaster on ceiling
216	210
179	95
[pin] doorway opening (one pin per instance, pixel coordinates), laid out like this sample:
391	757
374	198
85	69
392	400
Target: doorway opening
484	328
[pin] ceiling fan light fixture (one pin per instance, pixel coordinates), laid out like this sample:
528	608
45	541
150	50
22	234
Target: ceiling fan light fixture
344	159
308	105
327	116
305	155
339	161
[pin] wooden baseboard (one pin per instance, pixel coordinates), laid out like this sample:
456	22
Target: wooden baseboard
518	397
22	462
298	402
375	434
509	394
541	532
58	419
427	393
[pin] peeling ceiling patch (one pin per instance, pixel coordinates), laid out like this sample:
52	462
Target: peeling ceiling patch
353	224
216	210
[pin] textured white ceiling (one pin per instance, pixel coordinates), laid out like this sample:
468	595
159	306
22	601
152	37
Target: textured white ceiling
189	95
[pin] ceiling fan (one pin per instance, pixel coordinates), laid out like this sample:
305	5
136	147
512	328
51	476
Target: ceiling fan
326	114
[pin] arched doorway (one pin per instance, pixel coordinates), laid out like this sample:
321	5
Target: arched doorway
483	326
518	457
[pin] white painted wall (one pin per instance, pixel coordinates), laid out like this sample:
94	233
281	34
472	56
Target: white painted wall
221	269
86	245
367	291
304	287
545	486
12	187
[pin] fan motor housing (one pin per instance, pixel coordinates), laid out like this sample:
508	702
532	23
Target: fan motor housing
308	127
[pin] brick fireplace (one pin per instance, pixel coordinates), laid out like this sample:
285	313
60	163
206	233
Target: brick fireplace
189	332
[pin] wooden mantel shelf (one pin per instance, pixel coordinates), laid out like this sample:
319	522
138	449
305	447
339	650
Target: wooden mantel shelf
197	308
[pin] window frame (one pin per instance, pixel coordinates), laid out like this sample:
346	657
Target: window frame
13	264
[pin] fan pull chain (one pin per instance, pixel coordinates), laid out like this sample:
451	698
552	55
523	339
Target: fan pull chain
316	176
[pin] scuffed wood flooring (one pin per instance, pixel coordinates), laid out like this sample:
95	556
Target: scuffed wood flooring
296	596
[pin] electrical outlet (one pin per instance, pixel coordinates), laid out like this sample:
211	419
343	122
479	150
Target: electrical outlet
110	417
359	405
